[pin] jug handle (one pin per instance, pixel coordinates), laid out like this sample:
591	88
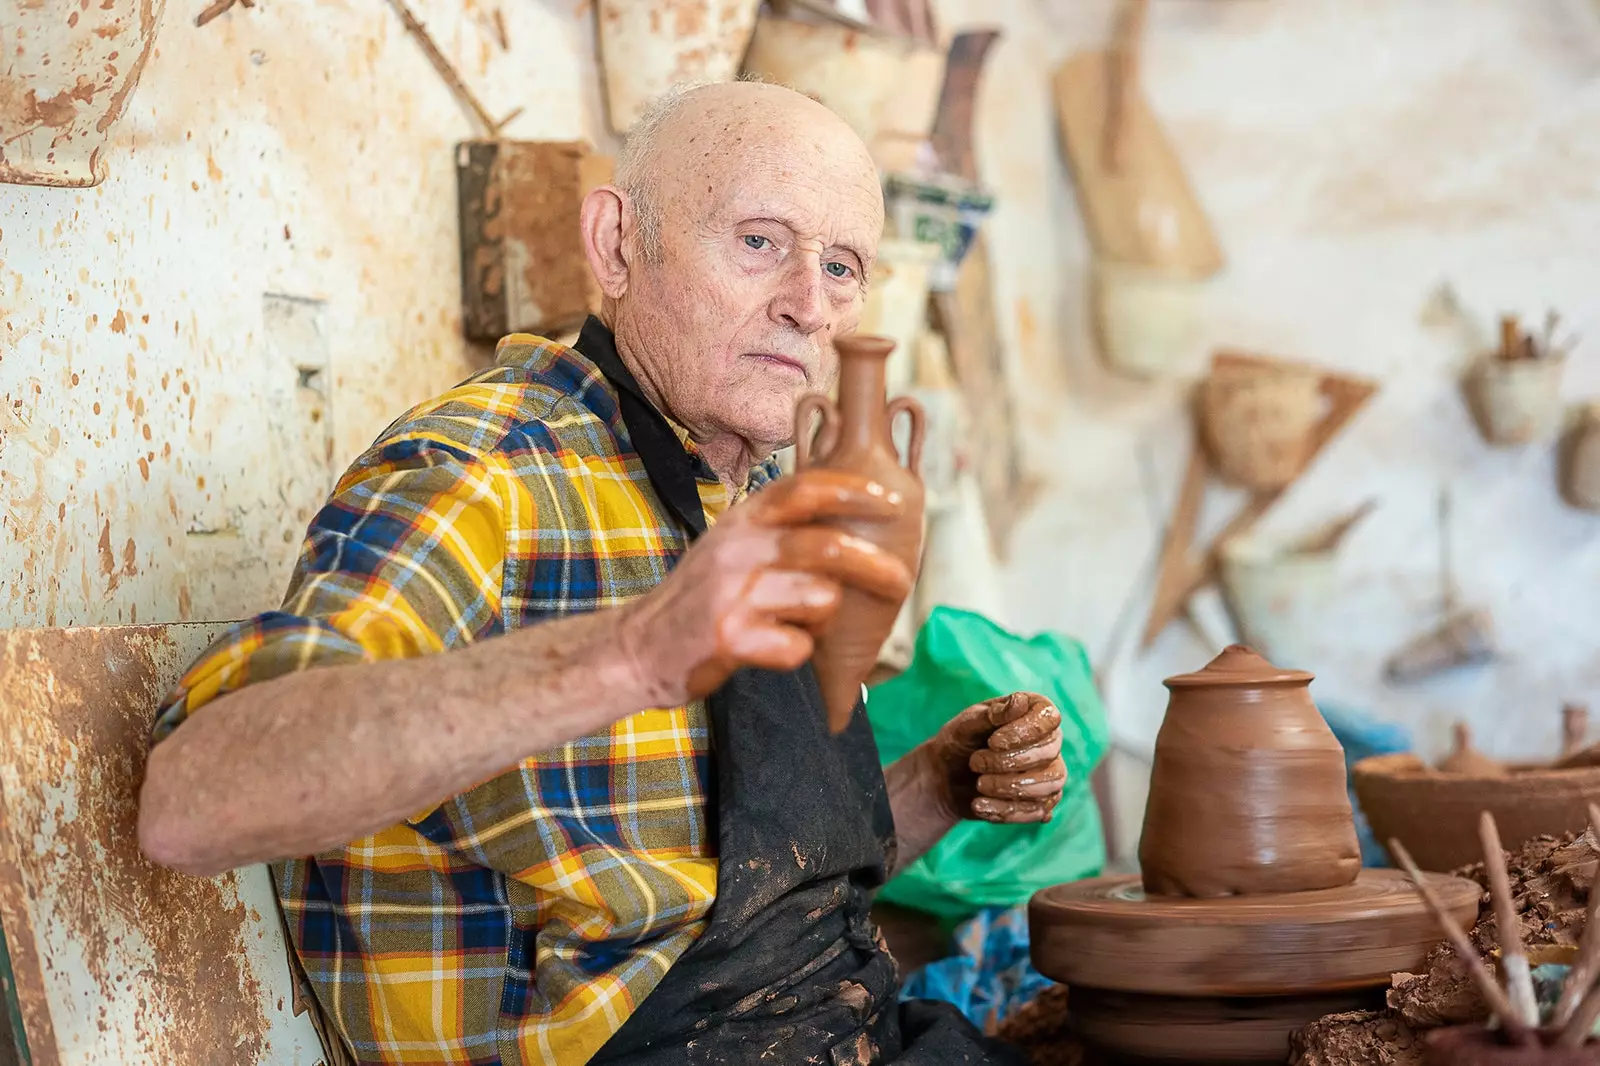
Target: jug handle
813	403
918	424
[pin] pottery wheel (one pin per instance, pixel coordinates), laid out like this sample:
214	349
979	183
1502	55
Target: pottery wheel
1107	934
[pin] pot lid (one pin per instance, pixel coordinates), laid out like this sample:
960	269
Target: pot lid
1238	665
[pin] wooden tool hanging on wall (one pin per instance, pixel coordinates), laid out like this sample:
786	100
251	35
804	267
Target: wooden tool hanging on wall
968	320
522	262
1181	573
1135	196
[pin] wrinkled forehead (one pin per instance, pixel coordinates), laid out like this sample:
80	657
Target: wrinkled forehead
822	191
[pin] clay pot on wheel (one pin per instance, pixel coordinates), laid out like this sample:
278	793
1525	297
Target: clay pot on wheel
1473	1045
856	436
1247	789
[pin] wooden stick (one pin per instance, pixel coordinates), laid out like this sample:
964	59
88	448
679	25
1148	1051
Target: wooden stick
1175	570
1328	537
1509	1018
1509	337
1587	967
444	67
217	8
1513	957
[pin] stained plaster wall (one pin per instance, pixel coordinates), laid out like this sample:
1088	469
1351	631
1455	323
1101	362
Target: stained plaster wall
191	351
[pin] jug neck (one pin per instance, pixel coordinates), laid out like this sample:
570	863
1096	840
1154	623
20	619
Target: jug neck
863	415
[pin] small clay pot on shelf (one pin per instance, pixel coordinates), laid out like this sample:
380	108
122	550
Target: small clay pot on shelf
1516	401
1580	461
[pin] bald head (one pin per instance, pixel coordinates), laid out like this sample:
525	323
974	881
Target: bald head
695	135
734	245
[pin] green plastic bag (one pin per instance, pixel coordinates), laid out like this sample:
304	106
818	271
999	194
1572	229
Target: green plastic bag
962	658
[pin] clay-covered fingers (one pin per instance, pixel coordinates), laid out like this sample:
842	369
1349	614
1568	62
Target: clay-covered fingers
1036	724
1042	783
990	761
849	560
820	495
1012	812
973	726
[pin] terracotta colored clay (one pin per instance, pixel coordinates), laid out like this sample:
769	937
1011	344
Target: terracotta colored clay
1436	815
1247	792
1106	933
855	436
1466	759
1473	1045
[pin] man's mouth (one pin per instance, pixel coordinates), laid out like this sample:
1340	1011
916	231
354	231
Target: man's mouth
773	359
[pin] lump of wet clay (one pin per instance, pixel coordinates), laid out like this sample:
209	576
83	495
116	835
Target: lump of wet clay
1042	1031
1356	1038
1551	878
1442	995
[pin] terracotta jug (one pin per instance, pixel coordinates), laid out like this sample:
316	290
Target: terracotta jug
856	436
1247	794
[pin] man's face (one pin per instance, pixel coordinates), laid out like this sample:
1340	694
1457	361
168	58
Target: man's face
762	265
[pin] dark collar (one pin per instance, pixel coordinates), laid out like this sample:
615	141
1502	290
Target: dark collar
672	470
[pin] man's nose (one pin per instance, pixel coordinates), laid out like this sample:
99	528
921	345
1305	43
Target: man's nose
799	302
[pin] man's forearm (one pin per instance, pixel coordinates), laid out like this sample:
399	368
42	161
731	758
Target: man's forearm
920	819
312	760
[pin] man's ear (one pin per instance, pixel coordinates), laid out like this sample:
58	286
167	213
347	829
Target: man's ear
606	210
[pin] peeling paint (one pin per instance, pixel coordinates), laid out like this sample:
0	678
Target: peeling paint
105	974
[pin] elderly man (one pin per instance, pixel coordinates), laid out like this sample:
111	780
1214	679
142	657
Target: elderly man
533	744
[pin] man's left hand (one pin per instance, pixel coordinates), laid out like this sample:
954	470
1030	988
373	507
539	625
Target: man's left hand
1000	760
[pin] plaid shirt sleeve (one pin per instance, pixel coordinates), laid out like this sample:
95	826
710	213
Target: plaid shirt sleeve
404	560
523	919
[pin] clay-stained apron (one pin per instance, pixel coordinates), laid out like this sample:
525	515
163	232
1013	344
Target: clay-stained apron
117	961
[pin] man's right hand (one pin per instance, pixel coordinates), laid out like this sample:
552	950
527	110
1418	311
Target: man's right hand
760	583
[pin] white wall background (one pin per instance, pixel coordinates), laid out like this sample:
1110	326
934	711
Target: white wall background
281	210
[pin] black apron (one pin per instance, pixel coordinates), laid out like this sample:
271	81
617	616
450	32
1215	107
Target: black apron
791	968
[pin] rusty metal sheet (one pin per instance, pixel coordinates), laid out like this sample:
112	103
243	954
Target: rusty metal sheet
523	268
119	962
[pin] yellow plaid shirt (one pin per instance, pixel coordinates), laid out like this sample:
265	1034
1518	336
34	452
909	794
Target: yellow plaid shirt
523	920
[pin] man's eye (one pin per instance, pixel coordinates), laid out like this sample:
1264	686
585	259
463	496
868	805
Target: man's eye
756	242
838	270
